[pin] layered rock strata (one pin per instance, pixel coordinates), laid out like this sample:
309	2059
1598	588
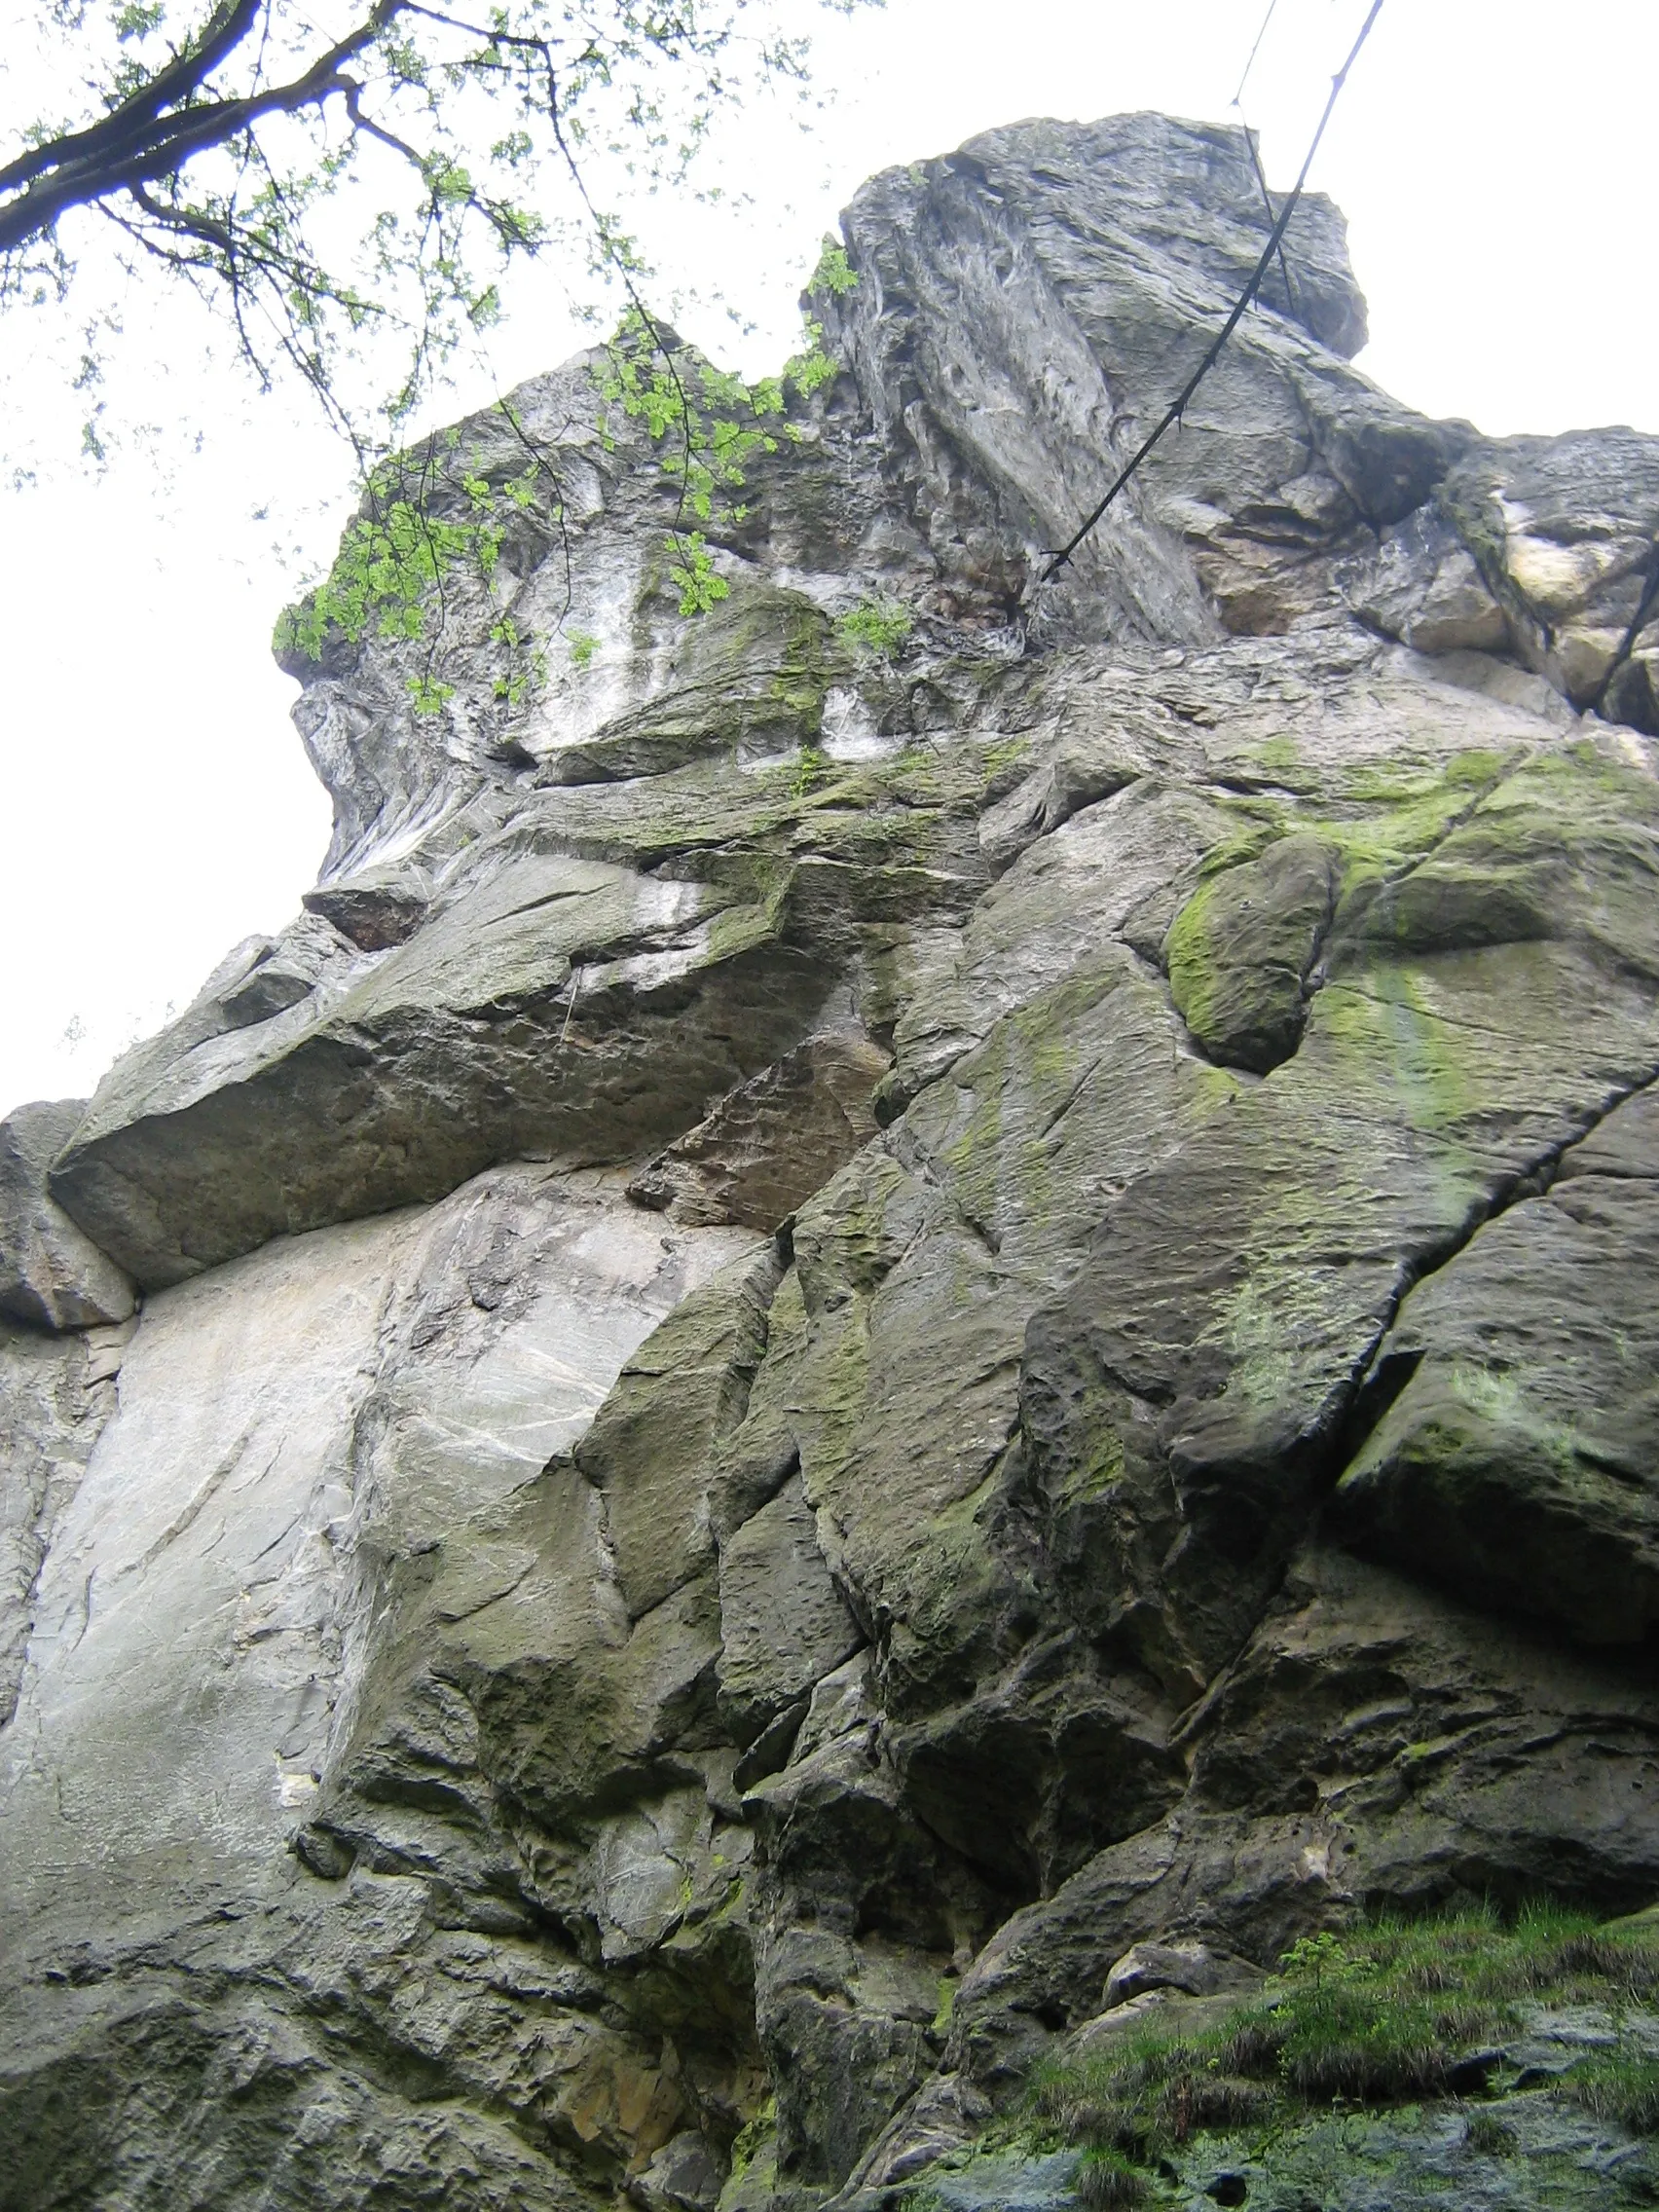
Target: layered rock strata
860	1341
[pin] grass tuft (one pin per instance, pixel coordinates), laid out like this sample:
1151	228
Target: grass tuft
1490	2136
1622	2087
1106	2182
878	626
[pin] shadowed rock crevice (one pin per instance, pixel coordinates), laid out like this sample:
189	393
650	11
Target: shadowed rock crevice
1621	697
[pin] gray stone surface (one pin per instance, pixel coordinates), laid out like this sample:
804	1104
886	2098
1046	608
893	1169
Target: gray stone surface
1520	1461
769	1144
323	1459
1010	2183
1185	1964
1511	2153
52	1274
853	1348
1518	2154
784	1625
54	1397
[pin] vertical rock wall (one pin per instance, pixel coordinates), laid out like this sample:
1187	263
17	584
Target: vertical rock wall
868	1310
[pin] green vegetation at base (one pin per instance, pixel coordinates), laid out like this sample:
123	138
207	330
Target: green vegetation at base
1392	2013
1621	2086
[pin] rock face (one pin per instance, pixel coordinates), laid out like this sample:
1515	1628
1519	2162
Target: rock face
51	1276
879	1330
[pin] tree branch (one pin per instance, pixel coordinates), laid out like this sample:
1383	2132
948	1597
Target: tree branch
226	28
135	145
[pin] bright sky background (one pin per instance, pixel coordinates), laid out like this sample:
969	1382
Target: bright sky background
1494	159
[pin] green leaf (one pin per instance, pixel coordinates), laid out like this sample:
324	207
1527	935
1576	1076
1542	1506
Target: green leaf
834	273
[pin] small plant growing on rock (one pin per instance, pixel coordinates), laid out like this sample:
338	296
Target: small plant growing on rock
811	770
1106	2182
429	523
709	427
1622	2085
1490	2136
834	273
877	626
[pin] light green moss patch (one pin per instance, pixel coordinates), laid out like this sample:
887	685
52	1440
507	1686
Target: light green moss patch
1389	1047
752	2138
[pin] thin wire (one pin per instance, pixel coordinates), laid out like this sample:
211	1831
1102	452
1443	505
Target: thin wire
1254	50
1177	407
1268	206
1250	144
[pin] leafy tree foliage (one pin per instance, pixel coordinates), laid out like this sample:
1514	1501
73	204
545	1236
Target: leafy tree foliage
338	175
425	522
349	183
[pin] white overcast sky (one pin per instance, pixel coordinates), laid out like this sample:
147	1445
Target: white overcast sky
1493	158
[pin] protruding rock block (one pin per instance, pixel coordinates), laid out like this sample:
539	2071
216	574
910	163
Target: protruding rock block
52	1274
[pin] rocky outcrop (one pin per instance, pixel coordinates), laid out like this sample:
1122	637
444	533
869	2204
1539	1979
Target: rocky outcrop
51	1276
912	1308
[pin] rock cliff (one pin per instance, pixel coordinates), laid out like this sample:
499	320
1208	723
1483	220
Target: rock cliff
868	1310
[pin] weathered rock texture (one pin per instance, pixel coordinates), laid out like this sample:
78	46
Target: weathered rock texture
51	1276
851	1341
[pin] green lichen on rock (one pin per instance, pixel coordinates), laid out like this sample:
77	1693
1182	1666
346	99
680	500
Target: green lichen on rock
1243	947
1516	1461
